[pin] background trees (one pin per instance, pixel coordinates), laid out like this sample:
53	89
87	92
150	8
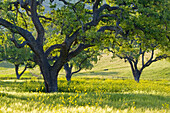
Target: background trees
10	53
85	60
146	29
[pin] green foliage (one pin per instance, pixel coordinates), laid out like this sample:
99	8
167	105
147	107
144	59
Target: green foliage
85	60
11	53
144	26
138	25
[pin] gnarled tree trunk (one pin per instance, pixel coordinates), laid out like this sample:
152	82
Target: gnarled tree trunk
50	78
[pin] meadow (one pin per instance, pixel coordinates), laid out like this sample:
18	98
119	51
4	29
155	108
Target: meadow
90	91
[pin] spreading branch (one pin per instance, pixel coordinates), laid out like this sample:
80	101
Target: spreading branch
37	23
80	68
24	33
79	49
48	51
16	43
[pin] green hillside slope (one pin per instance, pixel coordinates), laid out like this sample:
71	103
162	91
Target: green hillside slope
105	68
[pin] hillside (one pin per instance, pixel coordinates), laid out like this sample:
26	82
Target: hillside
105	68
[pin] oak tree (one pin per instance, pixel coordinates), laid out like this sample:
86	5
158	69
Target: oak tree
71	23
146	28
84	60
10	53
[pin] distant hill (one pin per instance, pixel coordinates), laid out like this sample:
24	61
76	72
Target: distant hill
105	68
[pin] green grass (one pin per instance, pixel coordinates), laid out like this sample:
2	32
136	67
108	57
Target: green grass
87	95
90	91
117	68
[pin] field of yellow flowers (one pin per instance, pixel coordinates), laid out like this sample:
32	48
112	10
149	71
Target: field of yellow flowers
86	95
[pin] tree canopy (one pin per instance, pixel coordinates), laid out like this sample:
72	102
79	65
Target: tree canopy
145	27
12	54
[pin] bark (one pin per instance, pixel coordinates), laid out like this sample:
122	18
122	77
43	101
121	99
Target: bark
136	75
16	71
68	71
50	73
50	79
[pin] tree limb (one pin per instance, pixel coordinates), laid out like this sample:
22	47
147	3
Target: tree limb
96	4
111	28
45	17
79	49
16	43
65	2
150	60
37	23
48	51
88	56
143	59
24	33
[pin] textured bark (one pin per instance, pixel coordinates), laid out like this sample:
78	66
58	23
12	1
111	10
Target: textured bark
50	78
68	71
51	83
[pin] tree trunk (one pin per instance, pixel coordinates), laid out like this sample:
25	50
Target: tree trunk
16	71
68	71
50	79
136	75
51	84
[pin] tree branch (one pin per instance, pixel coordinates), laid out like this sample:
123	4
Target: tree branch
16	43
96	4
37	23
143	59
79	49
48	51
45	17
88	56
69	41
132	67
111	28
24	33
65	2
150	60
106	6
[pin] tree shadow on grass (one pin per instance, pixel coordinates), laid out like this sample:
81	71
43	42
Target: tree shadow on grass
114	100
119	100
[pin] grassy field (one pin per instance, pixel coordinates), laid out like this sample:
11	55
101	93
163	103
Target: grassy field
90	91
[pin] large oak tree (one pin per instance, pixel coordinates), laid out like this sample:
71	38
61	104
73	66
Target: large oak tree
74	28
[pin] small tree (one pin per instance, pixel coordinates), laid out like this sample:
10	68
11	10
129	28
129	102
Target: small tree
14	55
137	54
84	60
145	29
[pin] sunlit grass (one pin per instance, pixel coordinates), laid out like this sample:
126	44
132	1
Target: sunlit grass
90	91
87	95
